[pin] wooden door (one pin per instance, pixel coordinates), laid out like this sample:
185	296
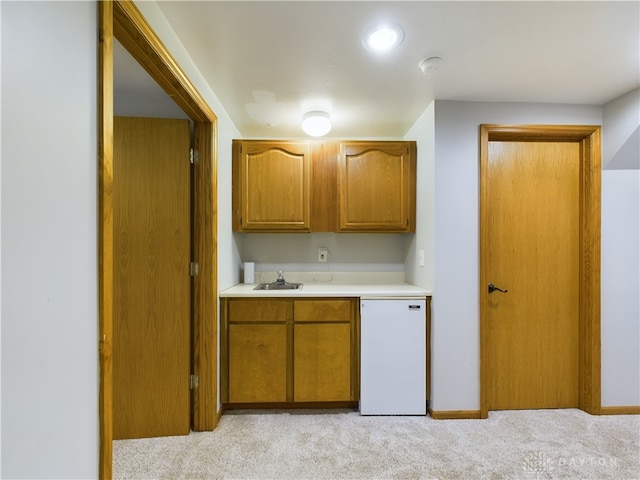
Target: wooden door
152	234
532	195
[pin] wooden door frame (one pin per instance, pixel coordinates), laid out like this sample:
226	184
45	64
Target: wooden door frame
121	20
588	137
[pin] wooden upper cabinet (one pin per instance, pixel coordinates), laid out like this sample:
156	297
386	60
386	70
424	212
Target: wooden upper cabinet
271	186
377	187
283	186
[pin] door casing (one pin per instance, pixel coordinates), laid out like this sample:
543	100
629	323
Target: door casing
120	19
588	137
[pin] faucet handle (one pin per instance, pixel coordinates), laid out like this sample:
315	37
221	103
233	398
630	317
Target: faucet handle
280	274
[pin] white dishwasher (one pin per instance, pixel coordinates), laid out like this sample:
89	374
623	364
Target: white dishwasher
393	356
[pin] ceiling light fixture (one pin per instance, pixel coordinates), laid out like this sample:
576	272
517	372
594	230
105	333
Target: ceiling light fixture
316	123
383	38
430	65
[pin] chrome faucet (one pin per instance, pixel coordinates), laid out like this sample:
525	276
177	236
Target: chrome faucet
280	280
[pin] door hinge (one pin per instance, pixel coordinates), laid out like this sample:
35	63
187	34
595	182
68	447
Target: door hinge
193	156
193	382
194	269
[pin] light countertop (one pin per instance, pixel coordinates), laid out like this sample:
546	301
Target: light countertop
337	285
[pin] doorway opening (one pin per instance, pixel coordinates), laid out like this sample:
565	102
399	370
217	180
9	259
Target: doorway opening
122	20
587	145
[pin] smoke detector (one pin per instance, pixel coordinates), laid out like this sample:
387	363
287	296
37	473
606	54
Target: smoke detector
430	65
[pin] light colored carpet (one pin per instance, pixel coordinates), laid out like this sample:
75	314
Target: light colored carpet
289	444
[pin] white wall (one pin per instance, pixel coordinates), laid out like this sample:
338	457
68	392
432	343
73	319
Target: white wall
49	319
621	251
348	252
621	132
423	132
455	327
620	288
136	94
0	242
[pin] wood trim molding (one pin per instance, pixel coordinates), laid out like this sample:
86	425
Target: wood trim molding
631	410
590	224
588	136
138	38
428	349
121	20
343	404
484	240
455	414
525	133
105	235
205	285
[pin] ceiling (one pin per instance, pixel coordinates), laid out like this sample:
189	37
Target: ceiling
270	62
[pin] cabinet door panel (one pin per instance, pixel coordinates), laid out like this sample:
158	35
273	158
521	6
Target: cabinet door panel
377	186
257	363
322	362
274	186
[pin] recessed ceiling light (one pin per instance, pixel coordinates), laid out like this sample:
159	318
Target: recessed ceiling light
383	38
316	123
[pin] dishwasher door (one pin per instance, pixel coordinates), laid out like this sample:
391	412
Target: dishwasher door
393	357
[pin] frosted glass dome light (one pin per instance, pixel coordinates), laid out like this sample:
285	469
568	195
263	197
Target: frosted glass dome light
316	123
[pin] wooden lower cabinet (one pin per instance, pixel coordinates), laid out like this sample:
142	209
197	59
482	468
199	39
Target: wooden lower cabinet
289	351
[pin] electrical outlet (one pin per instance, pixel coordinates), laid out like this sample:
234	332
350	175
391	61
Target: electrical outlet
421	258
323	253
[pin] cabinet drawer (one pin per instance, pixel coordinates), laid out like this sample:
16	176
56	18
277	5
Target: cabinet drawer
257	311
322	310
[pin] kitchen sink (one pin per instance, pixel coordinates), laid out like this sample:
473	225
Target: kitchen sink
278	286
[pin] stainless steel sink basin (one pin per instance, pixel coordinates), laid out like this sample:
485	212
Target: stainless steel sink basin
278	286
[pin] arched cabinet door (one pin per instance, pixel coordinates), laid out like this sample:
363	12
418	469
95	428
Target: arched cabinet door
271	186
377	186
